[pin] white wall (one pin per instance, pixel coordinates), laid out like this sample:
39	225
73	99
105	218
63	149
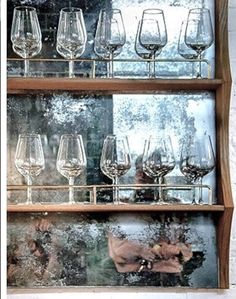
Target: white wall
228	294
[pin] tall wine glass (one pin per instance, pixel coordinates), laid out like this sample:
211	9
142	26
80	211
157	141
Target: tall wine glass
153	34
115	160
143	52
71	35
26	34
199	32
29	159
71	160
115	36
100	41
197	160
158	160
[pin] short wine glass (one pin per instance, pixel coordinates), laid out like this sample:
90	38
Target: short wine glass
199	32
71	35
197	160
153	33
100	44
143	52
29	159
115	160
158	160
26	35
183	50
71	160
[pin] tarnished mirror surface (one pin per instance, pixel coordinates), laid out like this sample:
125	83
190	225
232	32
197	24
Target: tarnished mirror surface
175	13
179	115
60	250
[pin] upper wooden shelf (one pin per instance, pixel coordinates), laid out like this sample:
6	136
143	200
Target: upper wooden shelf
113	208
21	85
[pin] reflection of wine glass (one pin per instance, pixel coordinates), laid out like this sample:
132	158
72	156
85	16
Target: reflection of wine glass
197	160
26	34
199	32
158	160
114	37
183	49
71	35
71	159
99	41
141	51
29	159
115	160
153	34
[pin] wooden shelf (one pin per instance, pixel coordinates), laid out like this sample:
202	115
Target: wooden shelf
21	85
101	208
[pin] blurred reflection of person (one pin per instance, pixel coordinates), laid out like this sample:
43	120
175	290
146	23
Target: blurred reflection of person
138	244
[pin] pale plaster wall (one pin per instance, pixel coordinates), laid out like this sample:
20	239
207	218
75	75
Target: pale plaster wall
228	294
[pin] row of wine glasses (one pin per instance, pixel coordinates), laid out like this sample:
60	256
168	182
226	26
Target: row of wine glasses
197	160
110	36
29	159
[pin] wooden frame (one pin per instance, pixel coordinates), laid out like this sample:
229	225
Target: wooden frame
221	85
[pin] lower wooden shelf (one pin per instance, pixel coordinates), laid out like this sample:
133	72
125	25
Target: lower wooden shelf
100	208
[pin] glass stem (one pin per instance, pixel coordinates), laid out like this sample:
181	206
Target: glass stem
156	190
71	190
29	191
152	69
26	67
160	190
116	199
111	68
71	69
200	199
108	69
199	72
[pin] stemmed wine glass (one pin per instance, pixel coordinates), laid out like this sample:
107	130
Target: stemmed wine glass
115	160
71	159
113	36
26	34
100	42
71	35
153	34
143	52
199	32
158	160
183	50
29	159
197	160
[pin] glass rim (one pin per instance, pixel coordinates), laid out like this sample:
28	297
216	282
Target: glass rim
153	11
27	135
75	135
24	8
71	9
197	10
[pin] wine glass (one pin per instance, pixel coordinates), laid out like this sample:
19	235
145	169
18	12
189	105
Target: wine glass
183	50
99	41
158	160
26	35
115	160
197	160
199	32
143	52
153	34
71	159
71	35
113	36
29	159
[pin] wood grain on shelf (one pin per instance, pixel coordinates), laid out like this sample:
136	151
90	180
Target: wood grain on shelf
21	85
113	208
222	139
